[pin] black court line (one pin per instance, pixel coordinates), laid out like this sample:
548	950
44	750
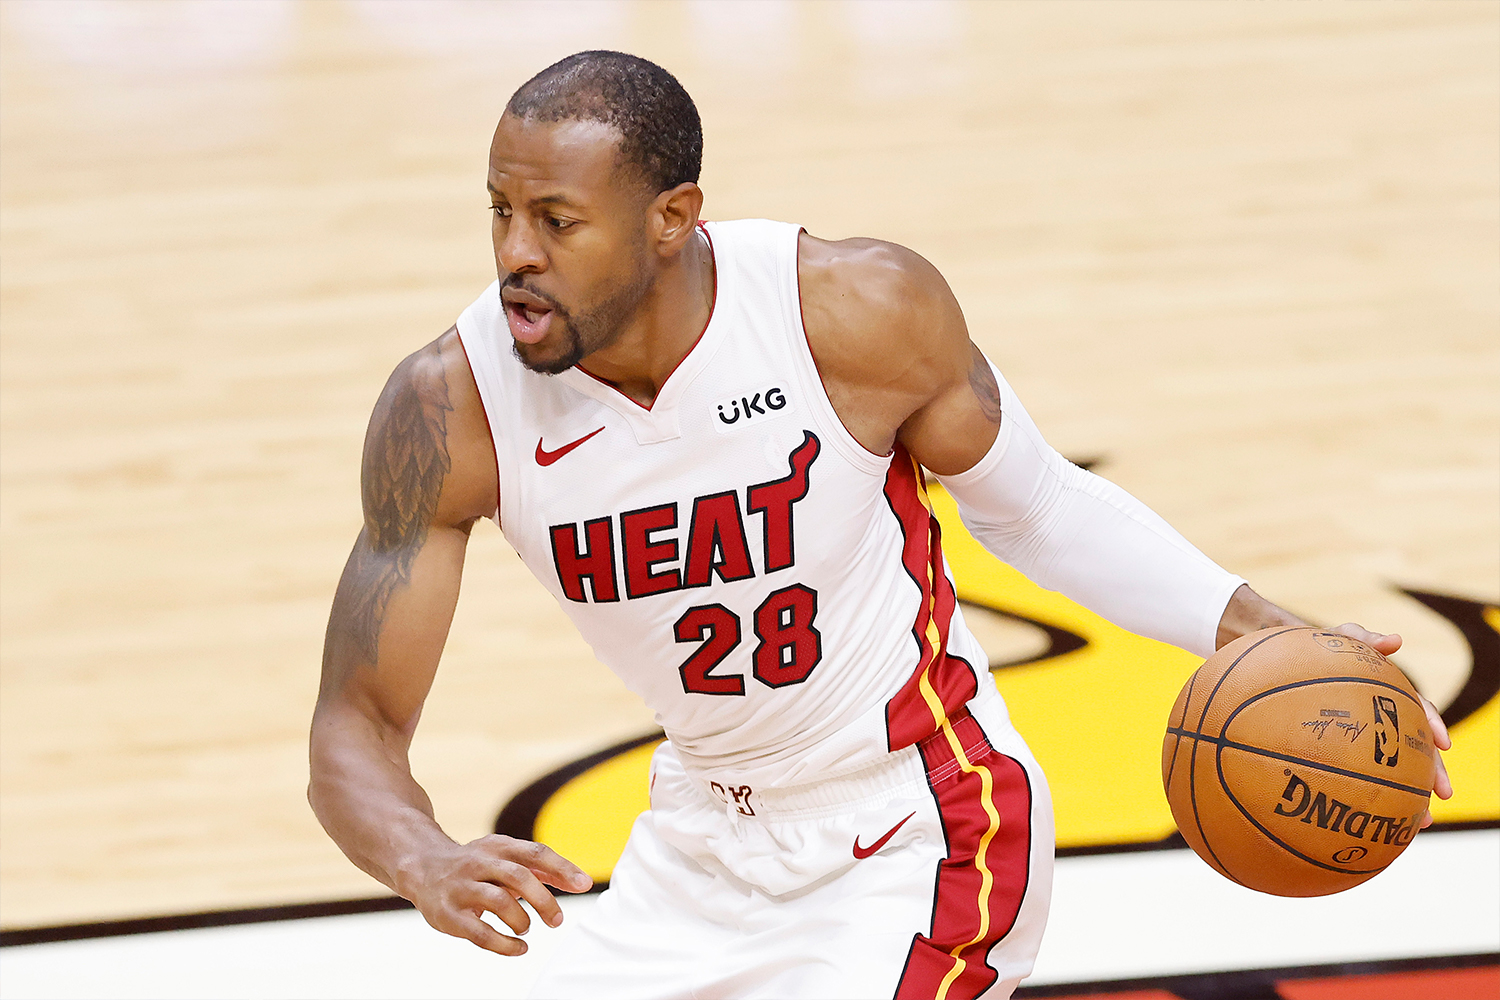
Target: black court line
191	921
1254	984
337	908
1468	617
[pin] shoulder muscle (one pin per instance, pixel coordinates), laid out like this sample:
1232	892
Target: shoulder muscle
885	330
427	459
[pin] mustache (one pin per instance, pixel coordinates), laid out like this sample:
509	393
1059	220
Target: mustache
517	282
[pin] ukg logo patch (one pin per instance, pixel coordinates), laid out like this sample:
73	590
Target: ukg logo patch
752	407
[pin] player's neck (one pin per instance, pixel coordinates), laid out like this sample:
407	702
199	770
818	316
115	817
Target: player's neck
664	329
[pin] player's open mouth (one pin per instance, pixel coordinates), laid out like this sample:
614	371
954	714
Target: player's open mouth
528	324
528	316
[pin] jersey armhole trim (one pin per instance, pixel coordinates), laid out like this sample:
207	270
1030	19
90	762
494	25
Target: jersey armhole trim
489	428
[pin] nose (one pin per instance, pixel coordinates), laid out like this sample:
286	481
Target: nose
517	248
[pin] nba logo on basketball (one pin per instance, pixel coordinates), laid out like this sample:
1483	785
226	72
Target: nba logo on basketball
1385	709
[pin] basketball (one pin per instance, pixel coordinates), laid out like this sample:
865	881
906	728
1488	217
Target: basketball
1298	762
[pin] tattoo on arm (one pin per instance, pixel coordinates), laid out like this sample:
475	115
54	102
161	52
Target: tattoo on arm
982	381
405	461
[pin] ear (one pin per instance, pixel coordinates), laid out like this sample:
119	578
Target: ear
673	216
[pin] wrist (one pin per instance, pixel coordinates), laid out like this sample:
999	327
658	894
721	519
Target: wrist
1248	612
412	853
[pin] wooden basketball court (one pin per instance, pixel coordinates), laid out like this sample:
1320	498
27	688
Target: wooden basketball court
1245	256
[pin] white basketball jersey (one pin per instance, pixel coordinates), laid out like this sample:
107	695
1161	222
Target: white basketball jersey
775	592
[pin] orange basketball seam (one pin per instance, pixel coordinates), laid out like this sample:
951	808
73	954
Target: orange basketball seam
1256	730
1229	794
1193	760
1198	820
1309	681
1186	701
1224	786
1223	743
1208	702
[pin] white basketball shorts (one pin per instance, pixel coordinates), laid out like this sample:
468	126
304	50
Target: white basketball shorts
925	877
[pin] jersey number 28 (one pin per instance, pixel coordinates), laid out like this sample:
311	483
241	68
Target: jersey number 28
789	645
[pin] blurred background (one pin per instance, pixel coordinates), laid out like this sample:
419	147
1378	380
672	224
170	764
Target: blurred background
1248	255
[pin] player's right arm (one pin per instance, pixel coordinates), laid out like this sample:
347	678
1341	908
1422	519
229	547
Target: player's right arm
896	360
428	474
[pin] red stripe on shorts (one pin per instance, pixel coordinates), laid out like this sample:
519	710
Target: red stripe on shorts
984	800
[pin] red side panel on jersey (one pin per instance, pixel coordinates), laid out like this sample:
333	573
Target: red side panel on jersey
984	799
911	715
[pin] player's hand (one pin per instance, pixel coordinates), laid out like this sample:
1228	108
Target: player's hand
1385	645
451	888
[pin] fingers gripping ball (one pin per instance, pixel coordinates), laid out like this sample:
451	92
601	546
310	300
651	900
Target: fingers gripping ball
1298	761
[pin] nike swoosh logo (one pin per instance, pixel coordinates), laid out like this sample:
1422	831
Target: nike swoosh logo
864	852
545	457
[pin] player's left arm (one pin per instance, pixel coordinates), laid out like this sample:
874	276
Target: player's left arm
917	377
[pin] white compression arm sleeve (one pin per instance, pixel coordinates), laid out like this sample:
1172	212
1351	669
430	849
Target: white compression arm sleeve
1072	531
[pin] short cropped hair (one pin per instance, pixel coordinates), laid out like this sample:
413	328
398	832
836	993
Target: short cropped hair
661	137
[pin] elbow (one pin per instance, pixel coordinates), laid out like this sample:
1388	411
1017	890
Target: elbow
323	795
314	782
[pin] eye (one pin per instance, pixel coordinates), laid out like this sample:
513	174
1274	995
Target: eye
560	225
501	211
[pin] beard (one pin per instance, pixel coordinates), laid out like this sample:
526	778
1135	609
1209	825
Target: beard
586	331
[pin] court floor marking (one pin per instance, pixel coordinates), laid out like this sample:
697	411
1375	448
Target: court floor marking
1115	918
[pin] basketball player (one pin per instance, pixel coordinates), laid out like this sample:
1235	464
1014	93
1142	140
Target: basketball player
707	441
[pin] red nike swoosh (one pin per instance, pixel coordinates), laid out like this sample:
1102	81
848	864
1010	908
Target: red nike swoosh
864	852
545	457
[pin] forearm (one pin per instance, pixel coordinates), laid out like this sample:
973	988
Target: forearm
1077	533
363	792
385	636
